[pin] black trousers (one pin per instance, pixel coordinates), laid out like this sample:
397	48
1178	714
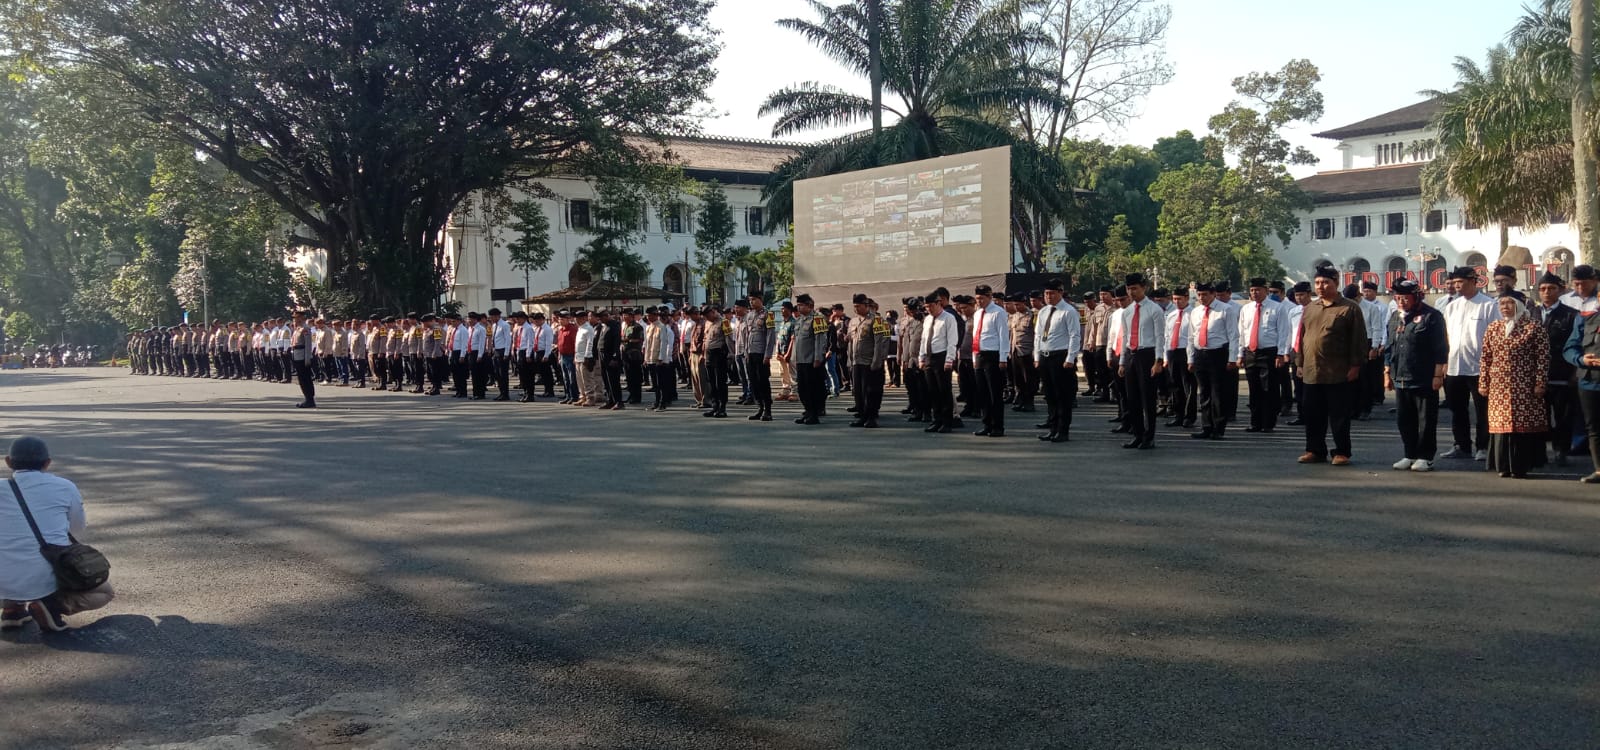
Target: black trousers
525	375
1141	385
1060	388
1417	414
1371	386
966	386
380	370
1184	402
916	389
635	372
288	364
868	390
502	372
760	378
302	372
436	370
941	401
714	379
1258	367
478	367
1025	377
611	378
358	370
1561	404
1284	383
1099	374
991	384
1589	403
544	370
1229	394
1329	406
1211	380
810	382
662	378
1461	390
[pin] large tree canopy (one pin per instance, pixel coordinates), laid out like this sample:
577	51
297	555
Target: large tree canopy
368	121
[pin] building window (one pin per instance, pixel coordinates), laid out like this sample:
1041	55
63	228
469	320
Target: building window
1360	265
578	215
1357	227
1433	222
1474	260
754	221
1322	229
675	219
1395	264
1467	222
1394	223
672	279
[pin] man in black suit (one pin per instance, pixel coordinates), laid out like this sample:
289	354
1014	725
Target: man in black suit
610	340
1560	394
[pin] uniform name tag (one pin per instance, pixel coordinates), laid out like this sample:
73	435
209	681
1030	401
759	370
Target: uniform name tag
818	325
879	328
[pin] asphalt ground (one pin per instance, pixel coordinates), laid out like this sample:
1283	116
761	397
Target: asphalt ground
404	571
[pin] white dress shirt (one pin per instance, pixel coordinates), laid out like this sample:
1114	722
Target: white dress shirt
585	333
942	338
669	343
57	507
502	335
1152	320
458	339
1057	328
1178	328
544	339
524	338
476	336
1466	320
1272	334
1221	333
992	330
1377	316
1582	305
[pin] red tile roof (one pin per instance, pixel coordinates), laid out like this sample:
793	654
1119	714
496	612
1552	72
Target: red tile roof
1398	181
1413	117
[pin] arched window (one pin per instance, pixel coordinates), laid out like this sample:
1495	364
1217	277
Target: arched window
1474	260
1558	260
672	279
578	275
1395	264
1359	265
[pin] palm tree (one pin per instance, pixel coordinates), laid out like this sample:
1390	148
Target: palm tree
1505	136
950	76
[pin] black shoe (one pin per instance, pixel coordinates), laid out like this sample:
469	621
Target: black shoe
802	419
851	409
1188	424
1060	437
935	427
997	433
756	417
1146	445
858	422
1175	423
985	432
811	421
905	411
1252	428
502	398
766	416
306	405
1134	443
1050	438
1202	435
1296	422
871	424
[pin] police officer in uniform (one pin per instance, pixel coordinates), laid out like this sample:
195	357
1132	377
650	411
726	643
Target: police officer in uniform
300	352
867	347
808	352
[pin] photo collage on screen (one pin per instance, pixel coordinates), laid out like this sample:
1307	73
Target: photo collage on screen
889	218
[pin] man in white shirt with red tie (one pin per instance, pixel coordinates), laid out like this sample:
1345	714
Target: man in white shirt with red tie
1213	358
940	352
523	335
1184	402
1144	357
991	349
1058	339
1262	337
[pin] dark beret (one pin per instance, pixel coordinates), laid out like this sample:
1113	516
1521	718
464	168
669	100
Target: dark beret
1258	281
1326	272
1276	286
1464	273
1404	286
1205	286
1373	285
1585	273
1505	271
858	299
1055	285
1161	293
787	305
982	289
1133	279
1301	287
1224	286
1550	278
1120	291
1036	294
390	319
375	318
803	299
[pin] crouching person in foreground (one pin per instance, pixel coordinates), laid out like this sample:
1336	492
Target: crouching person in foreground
29	588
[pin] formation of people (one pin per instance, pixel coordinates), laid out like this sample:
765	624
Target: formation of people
1515	375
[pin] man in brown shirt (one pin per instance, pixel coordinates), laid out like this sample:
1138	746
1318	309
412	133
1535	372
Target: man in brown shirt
1333	347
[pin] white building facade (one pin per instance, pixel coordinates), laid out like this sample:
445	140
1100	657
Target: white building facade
1370	224
482	273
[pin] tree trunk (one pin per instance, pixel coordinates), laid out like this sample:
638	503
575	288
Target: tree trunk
875	61
1587	213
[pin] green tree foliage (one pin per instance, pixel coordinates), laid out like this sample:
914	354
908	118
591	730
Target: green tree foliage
1174	151
531	250
369	121
950	74
618	215
1505	137
713	234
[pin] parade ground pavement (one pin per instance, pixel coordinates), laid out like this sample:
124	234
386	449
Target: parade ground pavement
399	571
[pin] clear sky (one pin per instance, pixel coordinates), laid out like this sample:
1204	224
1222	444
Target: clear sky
1375	55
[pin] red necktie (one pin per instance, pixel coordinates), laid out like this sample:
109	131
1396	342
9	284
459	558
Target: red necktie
516	341
977	331
1205	328
1133	335
1255	330
451	342
469	342
1177	327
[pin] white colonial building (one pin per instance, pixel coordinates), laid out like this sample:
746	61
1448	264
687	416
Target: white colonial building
1369	221
482	273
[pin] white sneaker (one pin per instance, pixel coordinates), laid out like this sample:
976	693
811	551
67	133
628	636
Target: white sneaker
1481	455
1403	464
1422	464
1454	452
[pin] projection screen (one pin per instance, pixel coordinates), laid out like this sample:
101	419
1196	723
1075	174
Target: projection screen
899	231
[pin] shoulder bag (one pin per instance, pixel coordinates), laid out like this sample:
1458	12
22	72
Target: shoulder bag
78	566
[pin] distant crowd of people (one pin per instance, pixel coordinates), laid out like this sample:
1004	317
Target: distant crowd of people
1313	353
